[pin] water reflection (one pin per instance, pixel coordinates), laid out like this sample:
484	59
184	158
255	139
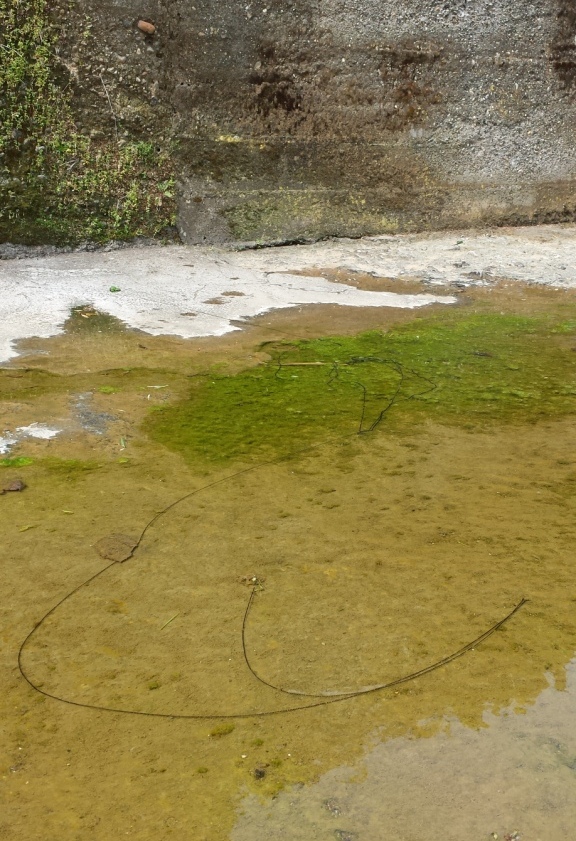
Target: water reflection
515	778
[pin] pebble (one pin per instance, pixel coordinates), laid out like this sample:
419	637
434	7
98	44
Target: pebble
13	487
146	27
332	806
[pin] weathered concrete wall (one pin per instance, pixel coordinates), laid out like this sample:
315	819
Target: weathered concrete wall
310	118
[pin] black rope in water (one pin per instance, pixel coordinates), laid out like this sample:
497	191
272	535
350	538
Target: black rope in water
354	693
332	697
322	698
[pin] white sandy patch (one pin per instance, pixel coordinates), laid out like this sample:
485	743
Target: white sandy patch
174	290
537	255
35	430
182	290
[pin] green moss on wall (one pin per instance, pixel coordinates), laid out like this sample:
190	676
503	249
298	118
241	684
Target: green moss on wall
58	185
308	213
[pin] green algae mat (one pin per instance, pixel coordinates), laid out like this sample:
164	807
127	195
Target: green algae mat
455	369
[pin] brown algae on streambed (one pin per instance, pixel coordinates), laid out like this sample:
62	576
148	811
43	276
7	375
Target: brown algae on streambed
379	553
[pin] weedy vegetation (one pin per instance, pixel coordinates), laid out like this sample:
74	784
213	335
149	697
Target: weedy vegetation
58	184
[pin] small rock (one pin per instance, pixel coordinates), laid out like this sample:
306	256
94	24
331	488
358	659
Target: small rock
259	773
344	835
13	487
146	27
331	805
116	547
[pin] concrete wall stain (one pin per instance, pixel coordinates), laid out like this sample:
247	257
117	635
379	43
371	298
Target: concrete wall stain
342	117
563	46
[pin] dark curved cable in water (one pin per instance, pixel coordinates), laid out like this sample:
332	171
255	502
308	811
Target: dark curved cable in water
329	697
323	698
342	694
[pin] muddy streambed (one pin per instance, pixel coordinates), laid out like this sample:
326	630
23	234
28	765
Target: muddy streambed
379	487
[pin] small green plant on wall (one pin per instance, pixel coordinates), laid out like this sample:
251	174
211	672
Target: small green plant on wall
57	184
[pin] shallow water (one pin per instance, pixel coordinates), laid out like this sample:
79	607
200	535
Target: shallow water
374	556
515	777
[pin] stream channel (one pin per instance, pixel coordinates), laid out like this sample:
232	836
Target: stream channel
331	468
